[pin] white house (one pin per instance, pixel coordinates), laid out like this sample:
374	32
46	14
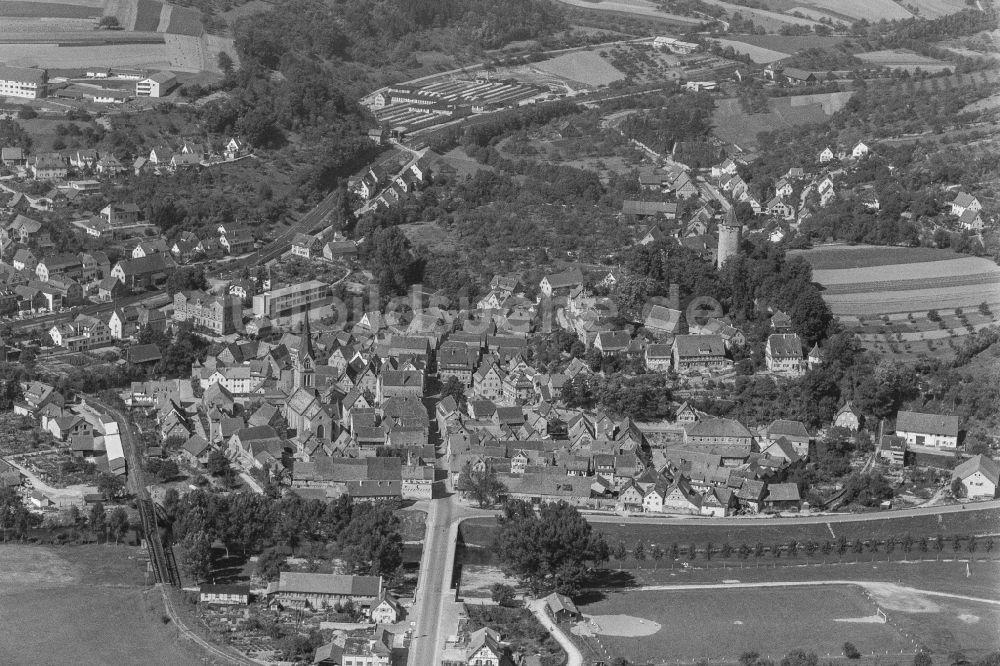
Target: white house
980	476
155	85
859	150
934	430
825	155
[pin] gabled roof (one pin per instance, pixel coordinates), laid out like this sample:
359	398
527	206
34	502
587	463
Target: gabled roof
987	466
933	424
699	345
717	428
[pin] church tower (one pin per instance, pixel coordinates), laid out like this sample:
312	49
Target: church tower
304	360
729	237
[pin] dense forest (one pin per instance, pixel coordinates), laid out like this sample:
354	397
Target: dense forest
683	117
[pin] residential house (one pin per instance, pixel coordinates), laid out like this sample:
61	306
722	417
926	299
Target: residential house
141	273
561	283
662	322
859	150
979	476
794	432
848	417
699	352
963	202
718	432
782	497
237	241
783	353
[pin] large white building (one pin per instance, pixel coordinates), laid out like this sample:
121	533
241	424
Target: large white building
26	82
155	85
293	299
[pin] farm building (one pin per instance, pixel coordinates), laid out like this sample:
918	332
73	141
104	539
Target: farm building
156	85
319	590
26	82
933	430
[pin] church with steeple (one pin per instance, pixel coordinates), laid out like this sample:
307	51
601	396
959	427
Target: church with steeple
304	412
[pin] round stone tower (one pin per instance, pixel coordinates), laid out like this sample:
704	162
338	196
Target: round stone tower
729	237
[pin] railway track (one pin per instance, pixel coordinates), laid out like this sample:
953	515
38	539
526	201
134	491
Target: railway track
161	557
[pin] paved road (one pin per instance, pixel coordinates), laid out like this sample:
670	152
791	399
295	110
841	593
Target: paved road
434	583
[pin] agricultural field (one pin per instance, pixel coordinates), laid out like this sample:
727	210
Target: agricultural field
901	59
787	43
724	623
48	10
891	274
582	67
759	54
153	56
732	124
865	256
872	10
635	7
643	63
870	282
769	20
87	598
147	15
932	9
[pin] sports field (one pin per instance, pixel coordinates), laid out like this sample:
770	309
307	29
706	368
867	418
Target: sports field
724	623
586	67
82	605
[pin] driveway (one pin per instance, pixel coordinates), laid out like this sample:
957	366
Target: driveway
575	656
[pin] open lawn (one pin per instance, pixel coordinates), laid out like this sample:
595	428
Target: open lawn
91	605
865	256
585	67
936	8
635	7
480	531
723	623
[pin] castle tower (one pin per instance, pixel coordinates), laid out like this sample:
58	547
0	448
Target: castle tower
729	237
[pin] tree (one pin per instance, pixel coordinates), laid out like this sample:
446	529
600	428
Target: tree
269	563
551	549
800	658
196	558
657	554
850	651
957	489
639	551
619	552
922	658
371	543
98	519
218	464
111	486
186	278
504	595
481	485
225	62
118	522
452	386
10	394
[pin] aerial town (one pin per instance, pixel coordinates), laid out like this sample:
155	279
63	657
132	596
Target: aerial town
500	333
